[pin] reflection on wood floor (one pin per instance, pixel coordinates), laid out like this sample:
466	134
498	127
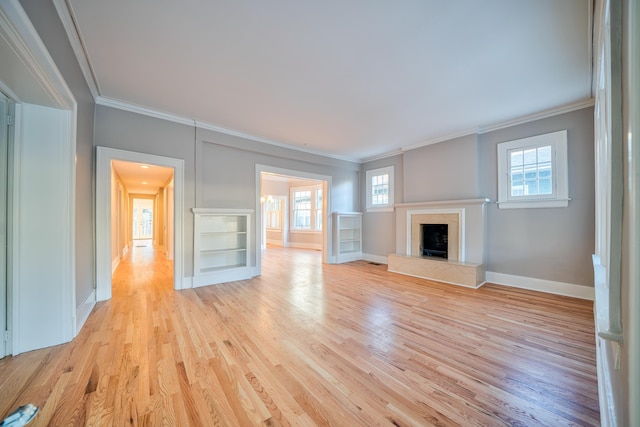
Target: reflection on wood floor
313	344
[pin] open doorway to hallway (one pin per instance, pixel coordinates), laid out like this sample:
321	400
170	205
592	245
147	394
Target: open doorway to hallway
141	213
105	223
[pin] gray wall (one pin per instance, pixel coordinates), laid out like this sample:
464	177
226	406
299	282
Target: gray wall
134	132
551	244
554	243
220	169
45	19
444	171
379	228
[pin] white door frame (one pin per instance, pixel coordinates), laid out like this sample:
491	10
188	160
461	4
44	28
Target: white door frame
4	220
103	212
33	83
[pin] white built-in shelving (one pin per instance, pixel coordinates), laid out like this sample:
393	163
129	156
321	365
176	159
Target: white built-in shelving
221	245
347	238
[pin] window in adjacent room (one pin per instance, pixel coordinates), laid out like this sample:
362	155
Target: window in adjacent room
318	209
306	208
532	172
380	189
273	213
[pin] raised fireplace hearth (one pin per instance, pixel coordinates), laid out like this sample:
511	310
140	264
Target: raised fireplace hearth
442	240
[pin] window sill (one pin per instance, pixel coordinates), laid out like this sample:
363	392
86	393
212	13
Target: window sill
305	231
381	209
534	204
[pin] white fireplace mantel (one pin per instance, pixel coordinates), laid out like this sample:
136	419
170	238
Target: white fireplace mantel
471	214
473	225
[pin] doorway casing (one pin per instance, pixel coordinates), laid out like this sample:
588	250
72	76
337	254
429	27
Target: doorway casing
103	211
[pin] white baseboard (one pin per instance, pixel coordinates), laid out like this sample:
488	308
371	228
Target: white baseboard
83	312
541	285
114	264
125	250
375	258
315	246
187	283
274	242
606	351
223	276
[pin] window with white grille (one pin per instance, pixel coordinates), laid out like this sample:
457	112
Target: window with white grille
380	189
532	172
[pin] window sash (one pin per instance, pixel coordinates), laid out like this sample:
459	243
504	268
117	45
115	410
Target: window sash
302	210
379	189
531	173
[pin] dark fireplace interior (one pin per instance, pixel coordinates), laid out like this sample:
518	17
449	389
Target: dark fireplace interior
435	239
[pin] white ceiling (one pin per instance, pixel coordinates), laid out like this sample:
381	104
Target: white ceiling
353	79
141	178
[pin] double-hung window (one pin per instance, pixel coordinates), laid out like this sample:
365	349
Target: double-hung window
532	172
306	208
379	189
273	213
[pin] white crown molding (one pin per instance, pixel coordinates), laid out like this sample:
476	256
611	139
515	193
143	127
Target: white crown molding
381	156
590	102
18	31
443	138
65	12
232	132
126	106
145	111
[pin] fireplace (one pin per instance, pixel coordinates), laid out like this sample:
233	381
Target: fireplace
463	221
435	234
434	240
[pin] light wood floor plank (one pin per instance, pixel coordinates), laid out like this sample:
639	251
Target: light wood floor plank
308	344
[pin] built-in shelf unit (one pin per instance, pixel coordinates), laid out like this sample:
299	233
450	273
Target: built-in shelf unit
347	238
221	244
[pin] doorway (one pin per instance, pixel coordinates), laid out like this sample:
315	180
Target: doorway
106	218
302	201
142	224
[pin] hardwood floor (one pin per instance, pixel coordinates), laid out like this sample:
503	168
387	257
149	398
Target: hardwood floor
312	344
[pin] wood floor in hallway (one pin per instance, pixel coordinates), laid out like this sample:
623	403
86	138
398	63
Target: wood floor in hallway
311	344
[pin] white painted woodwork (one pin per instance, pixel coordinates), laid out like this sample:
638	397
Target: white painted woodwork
472	237
41	292
221	245
103	208
609	174
632	112
347	227
43	255
4	158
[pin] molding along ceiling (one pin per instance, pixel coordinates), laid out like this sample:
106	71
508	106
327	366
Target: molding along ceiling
354	81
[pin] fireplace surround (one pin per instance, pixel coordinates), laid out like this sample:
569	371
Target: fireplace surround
466	223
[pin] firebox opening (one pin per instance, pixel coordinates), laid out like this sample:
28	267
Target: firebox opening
435	239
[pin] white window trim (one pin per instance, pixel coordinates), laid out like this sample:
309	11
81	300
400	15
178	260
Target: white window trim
312	223
560	198
375	172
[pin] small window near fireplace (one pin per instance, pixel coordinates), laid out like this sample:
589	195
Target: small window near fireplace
435	239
